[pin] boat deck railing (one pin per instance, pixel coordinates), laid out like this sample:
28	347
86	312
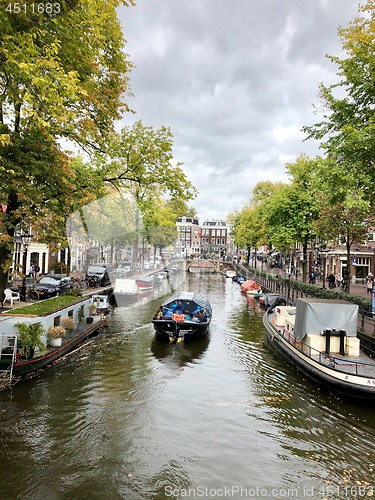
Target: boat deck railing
338	363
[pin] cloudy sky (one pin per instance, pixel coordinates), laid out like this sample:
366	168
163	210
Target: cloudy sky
235	81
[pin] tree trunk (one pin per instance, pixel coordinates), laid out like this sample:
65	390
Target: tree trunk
304	256
348	244
5	258
68	262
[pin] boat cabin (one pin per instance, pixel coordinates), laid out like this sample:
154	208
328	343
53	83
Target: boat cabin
328	326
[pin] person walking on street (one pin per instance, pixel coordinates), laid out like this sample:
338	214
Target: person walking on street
278	281
370	285
31	271
338	280
332	281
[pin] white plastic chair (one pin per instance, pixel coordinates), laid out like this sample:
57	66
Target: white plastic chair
11	296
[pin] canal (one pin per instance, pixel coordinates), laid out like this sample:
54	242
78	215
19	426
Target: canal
225	417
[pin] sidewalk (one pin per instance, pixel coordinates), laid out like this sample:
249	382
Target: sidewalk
355	289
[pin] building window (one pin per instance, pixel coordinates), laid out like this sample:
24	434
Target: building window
223	232
212	241
223	241
218	241
213	233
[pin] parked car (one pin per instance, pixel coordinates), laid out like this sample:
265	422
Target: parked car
98	276
52	286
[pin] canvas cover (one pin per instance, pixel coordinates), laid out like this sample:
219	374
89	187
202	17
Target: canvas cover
127	287
192	297
316	315
248	285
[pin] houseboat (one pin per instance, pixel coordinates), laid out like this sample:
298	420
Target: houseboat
320	338
11	360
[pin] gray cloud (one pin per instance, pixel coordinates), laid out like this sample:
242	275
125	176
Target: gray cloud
234	80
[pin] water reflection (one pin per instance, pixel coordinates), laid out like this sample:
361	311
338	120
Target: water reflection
137	415
176	356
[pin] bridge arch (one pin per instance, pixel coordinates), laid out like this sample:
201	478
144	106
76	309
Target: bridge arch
202	264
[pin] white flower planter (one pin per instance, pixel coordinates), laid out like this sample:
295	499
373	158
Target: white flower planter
55	342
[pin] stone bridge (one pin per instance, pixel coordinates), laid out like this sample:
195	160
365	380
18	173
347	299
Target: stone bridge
207	264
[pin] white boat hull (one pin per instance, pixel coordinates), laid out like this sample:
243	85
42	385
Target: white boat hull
324	370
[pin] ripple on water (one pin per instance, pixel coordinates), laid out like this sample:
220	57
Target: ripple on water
135	416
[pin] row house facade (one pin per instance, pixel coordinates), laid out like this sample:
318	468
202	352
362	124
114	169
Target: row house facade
325	259
188	240
214	237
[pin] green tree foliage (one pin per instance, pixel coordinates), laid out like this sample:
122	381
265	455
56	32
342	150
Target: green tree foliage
141	160
348	124
61	76
345	209
291	211
181	209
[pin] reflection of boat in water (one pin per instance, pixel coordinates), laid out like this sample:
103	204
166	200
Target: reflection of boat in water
183	316
320	338
181	355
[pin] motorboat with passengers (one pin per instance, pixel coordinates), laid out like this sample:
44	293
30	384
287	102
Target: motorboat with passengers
183	317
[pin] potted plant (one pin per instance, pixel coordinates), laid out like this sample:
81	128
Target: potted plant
56	333
69	325
30	338
92	309
81	318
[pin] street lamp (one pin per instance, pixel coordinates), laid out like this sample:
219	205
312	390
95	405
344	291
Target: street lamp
26	240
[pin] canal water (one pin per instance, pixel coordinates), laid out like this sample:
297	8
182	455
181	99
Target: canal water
224	417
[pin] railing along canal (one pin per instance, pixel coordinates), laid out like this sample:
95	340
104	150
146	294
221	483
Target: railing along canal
292	290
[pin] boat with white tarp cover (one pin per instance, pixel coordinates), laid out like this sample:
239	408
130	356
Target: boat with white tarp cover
320	338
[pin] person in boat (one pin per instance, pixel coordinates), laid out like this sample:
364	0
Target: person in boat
179	309
194	313
187	316
202	316
159	313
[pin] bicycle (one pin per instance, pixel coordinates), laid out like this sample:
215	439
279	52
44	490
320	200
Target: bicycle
32	296
79	283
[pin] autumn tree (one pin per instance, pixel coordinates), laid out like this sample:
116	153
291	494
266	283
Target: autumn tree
62	76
